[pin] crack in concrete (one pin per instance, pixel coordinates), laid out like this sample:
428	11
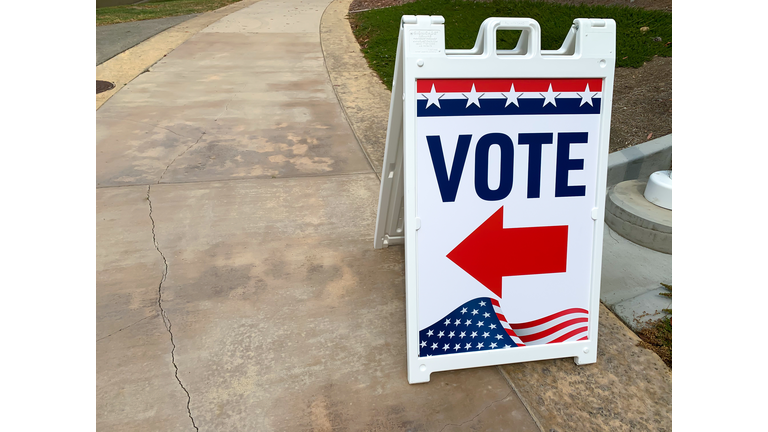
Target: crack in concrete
145	123
163	314
180	155
478	414
519	396
220	180
129	325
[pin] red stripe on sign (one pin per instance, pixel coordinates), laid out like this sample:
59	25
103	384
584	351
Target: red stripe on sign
547	318
552	330
584	338
569	335
503	85
495	302
501	317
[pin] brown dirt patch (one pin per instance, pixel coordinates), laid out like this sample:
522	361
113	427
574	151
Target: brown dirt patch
642	97
657	337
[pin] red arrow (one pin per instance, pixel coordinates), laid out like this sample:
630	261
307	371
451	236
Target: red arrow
492	252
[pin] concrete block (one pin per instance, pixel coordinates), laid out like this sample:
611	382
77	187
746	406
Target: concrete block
639	311
640	161
635	218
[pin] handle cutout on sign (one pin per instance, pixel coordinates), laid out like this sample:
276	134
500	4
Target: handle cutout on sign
508	41
529	43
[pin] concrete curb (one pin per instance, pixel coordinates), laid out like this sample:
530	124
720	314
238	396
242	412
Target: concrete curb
361	94
124	67
631	216
640	161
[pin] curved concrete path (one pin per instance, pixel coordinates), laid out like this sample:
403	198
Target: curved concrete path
237	286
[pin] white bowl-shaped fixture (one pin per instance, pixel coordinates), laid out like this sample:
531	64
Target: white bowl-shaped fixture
659	189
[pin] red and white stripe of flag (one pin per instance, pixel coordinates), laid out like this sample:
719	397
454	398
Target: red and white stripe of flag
563	326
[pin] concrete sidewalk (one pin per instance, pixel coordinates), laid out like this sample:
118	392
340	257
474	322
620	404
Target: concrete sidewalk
237	286
113	39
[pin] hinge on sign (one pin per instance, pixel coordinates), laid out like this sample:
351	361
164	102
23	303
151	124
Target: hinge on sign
418	223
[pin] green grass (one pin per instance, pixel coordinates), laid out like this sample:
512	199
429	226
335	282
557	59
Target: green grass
377	30
156	9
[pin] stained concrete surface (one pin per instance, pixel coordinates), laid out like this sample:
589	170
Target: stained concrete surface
125	251
276	17
287	319
213	109
628	389
231	162
126	66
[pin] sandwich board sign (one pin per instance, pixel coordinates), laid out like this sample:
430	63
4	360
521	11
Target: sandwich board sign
494	179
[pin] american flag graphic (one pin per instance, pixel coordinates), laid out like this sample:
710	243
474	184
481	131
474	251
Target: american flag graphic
484	97
480	325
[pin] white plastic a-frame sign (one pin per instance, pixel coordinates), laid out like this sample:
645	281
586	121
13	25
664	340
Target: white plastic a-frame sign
494	179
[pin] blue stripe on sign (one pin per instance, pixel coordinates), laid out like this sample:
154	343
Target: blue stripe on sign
489	107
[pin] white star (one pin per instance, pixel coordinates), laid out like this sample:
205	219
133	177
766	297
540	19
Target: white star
462	335
479	345
429	333
448	321
473	97
463	311
482	303
468	322
445	348
486	334
480	323
475	312
499	337
423	344
441	334
433	98
507	346
458	321
492	326
434	345
511	96
486	314
469	345
493	345
549	96
473	334
450	335
587	96
457	347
